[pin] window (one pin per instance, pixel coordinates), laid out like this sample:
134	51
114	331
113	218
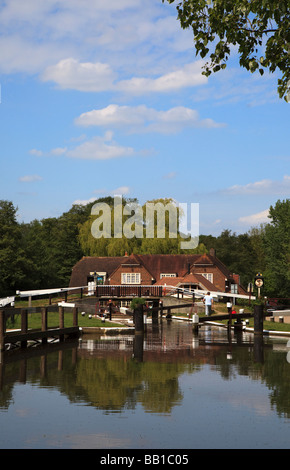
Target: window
130	278
208	276
167	275
234	289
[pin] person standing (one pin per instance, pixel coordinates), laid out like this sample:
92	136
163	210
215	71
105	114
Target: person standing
208	302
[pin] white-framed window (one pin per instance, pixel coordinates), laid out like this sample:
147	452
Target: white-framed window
234	289
162	275
130	278
208	276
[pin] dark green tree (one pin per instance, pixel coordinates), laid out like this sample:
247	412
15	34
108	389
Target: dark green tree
14	263
257	29
277	249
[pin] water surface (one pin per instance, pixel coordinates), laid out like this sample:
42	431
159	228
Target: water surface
168	389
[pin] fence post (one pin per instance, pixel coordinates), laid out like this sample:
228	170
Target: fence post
258	319
61	321
155	311
44	322
75	316
24	326
2	330
138	319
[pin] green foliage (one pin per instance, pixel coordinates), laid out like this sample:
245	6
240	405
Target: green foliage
237	252
14	264
277	249
111	246
136	302
41	254
264	249
257	29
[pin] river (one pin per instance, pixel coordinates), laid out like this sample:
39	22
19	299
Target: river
167	389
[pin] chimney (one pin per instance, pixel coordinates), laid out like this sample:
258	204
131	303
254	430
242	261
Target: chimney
212	252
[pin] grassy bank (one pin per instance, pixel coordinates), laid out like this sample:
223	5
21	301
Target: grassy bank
34	321
268	325
221	308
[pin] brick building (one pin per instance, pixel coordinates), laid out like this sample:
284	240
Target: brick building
205	272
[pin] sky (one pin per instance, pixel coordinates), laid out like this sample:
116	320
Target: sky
103	98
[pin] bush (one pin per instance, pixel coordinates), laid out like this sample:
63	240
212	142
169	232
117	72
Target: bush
136	302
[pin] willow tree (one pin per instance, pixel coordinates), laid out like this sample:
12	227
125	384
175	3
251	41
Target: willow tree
257	29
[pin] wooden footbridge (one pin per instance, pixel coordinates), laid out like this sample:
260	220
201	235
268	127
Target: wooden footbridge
24	335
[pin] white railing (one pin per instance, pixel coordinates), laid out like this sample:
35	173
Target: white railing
7	301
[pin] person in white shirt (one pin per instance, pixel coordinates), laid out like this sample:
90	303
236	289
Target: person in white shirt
208	301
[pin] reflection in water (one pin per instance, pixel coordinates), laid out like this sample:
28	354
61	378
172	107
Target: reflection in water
166	388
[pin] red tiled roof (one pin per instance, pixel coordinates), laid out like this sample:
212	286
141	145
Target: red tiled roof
178	264
161	264
89	264
203	283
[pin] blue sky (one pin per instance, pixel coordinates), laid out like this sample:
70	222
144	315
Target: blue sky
102	98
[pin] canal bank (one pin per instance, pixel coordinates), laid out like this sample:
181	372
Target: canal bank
107	330
244	327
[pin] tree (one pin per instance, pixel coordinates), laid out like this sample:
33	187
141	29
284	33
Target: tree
258	28
52	247
13	261
277	248
241	254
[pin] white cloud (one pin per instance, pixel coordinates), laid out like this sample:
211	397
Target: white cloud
83	202
265	186
95	77
36	152
86	76
144	119
255	219
58	151
188	76
21	54
100	148
114	115
122	190
30	178
37	34
97	148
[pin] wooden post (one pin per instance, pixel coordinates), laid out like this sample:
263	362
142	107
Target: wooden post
2	330
195	323
44	322
61	317
258	319
138	319
110	311
75	316
155	311
24	326
161	307
229	307
61	321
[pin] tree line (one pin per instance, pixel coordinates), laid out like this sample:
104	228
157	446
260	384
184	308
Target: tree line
41	253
